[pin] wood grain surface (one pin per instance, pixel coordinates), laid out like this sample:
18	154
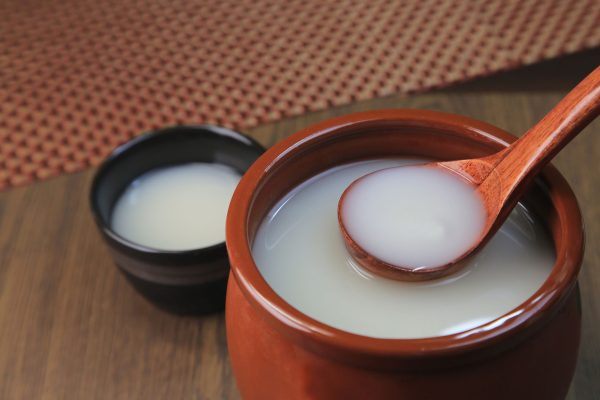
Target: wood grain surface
71	327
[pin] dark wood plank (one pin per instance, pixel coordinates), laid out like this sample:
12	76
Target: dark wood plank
71	327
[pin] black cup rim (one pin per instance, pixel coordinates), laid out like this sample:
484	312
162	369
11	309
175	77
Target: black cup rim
207	253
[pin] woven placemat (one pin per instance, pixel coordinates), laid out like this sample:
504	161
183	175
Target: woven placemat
79	77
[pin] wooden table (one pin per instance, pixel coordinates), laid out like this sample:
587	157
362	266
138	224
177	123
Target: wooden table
71	327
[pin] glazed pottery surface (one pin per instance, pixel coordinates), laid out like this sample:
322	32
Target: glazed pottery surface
181	281
279	353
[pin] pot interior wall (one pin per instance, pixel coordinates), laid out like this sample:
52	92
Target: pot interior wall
381	139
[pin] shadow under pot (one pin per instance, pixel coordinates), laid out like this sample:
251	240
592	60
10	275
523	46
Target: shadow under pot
189	281
528	351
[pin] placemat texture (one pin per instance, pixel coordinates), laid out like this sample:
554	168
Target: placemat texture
78	77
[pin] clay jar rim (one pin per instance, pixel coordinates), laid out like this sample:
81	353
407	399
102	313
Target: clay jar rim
324	339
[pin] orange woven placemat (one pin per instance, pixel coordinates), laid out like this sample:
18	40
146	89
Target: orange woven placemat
78	77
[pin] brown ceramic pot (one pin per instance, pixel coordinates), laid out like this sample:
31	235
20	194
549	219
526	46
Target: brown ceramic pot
279	353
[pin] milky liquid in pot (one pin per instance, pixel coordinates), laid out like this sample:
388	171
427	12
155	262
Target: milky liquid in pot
301	254
182	207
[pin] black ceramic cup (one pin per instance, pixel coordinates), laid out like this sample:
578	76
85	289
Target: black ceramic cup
184	282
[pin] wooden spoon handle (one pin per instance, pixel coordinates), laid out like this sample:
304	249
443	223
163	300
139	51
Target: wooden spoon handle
526	157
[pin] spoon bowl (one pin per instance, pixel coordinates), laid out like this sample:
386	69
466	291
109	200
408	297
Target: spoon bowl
498	180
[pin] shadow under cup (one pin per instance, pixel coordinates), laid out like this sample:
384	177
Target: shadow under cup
183	282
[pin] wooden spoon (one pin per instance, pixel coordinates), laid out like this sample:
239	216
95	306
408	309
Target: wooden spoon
499	179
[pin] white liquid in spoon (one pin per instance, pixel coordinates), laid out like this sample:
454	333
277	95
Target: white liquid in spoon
300	252
176	208
413	216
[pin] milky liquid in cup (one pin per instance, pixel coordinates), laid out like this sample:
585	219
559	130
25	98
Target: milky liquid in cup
414	216
300	252
181	207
